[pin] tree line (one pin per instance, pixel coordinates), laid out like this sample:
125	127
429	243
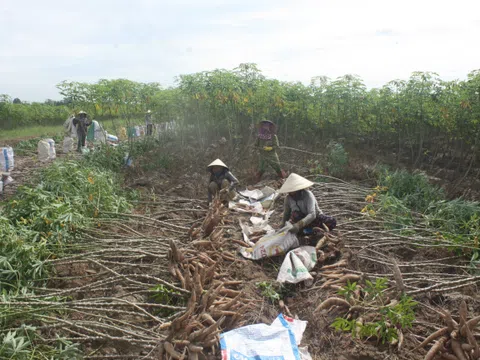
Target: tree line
421	119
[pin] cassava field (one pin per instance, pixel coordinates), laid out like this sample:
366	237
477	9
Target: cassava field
100	260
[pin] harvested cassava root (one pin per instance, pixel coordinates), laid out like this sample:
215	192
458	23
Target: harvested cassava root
215	303
456	340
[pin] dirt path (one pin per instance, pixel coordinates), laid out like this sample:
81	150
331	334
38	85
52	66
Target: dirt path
25	166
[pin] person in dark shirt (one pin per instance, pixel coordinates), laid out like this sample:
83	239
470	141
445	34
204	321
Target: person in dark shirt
221	181
82	123
267	145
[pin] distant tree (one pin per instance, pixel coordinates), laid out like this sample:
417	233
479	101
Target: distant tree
17	101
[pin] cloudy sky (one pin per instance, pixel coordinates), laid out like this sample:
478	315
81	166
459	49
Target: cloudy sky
45	42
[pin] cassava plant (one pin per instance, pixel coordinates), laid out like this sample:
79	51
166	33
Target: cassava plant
370	313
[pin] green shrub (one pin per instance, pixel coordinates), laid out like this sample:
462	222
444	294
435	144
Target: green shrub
413	189
337	159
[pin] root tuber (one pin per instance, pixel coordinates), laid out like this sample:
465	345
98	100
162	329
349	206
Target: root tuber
331	302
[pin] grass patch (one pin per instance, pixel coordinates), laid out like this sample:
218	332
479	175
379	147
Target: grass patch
32	131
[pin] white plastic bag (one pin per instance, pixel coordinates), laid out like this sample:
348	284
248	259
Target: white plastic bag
270	245
69	128
112	138
99	135
259	224
264	342
297	264
67	144
46	150
6	159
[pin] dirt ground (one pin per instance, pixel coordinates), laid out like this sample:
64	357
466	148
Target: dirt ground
175	199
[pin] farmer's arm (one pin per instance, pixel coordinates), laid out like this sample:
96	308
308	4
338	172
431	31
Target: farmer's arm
232	179
275	142
287	210
310	202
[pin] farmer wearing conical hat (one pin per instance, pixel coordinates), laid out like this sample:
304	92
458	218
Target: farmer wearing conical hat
267	143
301	208
148	122
82	123
221	181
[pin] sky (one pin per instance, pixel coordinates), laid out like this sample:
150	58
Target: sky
45	42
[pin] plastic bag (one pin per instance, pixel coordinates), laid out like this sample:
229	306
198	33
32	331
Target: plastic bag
70	129
99	134
6	159
46	150
67	145
112	138
270	245
265	342
297	264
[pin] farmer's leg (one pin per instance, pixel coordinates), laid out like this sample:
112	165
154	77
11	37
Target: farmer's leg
213	188
229	195
261	169
274	162
329	221
79	142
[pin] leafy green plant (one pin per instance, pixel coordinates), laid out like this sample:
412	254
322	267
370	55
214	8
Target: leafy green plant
29	146
376	318
414	190
375	290
337	159
269	291
348	291
35	225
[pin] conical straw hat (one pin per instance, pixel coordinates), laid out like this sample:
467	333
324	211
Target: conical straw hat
217	162
294	183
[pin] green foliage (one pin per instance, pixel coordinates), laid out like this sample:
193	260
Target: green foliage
387	318
423	118
404	200
26	147
269	291
395	210
337	159
37	224
375	290
414	190
24	344
21	115
348	291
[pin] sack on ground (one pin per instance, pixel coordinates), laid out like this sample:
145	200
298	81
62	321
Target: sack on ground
67	145
46	150
6	159
297	264
261	341
271	245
